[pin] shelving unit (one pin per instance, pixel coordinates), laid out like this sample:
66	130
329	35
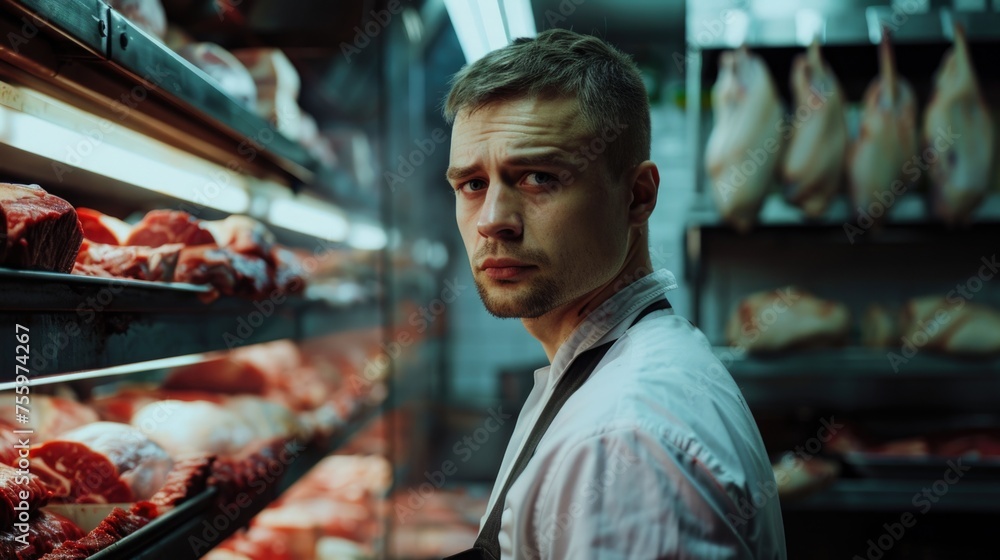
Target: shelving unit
910	254
106	116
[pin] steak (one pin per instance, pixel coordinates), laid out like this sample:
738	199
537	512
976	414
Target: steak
137	263
101	228
39	231
162	227
229	272
45	532
12	483
115	527
103	462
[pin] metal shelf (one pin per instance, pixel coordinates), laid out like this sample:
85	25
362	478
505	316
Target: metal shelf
81	325
909	210
864	378
868	495
91	56
170	536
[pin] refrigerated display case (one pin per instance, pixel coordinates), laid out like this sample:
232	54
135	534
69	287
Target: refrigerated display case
105	115
894	397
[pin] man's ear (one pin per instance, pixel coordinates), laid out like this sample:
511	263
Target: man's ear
645	182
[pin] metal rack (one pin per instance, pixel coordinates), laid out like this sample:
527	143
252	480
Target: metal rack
911	247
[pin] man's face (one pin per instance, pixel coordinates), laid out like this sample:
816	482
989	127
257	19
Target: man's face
541	221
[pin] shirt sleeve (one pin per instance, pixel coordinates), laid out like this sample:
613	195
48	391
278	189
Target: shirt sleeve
624	494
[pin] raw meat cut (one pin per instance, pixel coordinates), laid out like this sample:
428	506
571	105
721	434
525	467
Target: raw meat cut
187	479
979	445
958	128
50	416
951	325
275	369
289	272
103	462
160	227
147	15
814	164
230	273
12	483
278	86
242	234
786	319
887	141
186	428
743	148
227	71
38	231
137	263
797	477
116	526
8	454
45	532
101	228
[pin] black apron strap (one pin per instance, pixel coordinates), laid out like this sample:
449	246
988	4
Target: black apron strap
488	544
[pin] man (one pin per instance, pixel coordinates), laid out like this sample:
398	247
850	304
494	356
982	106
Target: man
656	454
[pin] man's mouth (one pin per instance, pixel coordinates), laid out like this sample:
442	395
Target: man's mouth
505	269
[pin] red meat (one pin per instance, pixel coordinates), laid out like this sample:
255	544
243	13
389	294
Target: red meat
103	462
116	526
230	273
37	230
137	263
12	483
45	532
162	227
101	228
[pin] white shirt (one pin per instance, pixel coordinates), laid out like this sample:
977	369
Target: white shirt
655	456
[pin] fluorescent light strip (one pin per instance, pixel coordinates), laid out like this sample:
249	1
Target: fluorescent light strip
468	26
310	218
491	23
151	365
520	19
147	163
367	237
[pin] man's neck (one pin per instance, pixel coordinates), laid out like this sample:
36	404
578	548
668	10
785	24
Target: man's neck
553	328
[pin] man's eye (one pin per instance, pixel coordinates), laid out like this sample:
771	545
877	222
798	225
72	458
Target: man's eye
473	185
540	179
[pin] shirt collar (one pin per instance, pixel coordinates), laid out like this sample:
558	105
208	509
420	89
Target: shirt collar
608	321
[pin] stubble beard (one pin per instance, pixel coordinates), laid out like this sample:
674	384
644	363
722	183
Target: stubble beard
534	298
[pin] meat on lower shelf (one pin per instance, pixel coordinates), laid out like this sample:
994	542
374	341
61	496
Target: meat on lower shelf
785	319
154	264
46	530
39	231
101	462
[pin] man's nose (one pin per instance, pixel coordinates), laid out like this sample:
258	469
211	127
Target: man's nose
500	216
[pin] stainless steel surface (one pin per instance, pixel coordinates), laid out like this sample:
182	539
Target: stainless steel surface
85	21
150	60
